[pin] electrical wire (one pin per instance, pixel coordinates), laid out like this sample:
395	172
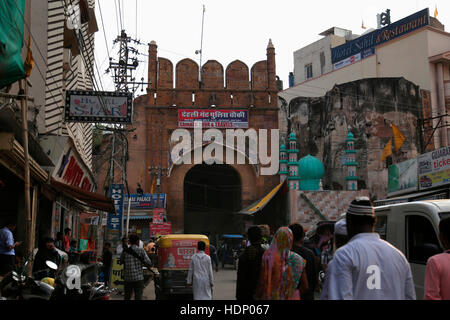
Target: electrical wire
103	26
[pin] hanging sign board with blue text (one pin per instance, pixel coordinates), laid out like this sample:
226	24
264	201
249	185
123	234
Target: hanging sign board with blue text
100	106
114	224
364	45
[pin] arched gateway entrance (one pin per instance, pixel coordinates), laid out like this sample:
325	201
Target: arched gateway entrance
212	196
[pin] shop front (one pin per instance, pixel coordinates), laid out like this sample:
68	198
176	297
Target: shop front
76	204
426	177
145	209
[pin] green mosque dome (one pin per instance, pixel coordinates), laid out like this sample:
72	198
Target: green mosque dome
283	148
311	171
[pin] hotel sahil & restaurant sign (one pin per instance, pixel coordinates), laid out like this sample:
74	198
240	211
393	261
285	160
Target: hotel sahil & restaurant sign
364	46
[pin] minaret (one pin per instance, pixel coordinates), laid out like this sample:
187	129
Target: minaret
283	164
293	163
351	164
271	67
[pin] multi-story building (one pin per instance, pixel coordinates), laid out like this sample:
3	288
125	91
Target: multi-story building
61	181
416	48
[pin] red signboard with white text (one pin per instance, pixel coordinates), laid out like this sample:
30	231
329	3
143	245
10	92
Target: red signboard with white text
161	229
71	170
213	118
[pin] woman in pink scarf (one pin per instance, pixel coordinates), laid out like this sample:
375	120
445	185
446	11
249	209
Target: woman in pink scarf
437	273
281	270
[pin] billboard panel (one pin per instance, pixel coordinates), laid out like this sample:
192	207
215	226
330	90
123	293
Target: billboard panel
403	177
434	168
100	106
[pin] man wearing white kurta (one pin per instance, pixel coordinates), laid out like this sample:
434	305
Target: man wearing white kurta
200	274
367	267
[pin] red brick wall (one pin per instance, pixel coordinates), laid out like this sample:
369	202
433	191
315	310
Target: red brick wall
155	117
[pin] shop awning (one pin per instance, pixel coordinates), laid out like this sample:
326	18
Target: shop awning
260	204
12	155
90	199
138	217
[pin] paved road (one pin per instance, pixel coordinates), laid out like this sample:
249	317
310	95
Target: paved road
224	286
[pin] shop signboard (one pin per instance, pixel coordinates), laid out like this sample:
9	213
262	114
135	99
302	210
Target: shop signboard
366	44
72	170
100	106
145	201
117	281
160	229
434	168
114	224
232	118
402	177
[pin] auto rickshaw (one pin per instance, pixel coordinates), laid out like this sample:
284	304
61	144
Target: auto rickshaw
174	256
230	249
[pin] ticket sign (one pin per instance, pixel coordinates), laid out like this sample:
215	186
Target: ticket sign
434	168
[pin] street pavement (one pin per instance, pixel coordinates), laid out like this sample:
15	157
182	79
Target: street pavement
224	286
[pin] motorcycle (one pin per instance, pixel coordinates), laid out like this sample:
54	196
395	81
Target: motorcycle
78	282
17	285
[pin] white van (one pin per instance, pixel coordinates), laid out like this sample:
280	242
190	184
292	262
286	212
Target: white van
413	228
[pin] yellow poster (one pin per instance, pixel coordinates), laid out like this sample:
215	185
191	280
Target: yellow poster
117	275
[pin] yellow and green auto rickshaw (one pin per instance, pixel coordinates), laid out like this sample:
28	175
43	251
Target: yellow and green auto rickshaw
174	256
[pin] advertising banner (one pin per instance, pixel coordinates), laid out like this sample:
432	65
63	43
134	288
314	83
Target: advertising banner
403	177
114	224
375	38
101	106
160	228
434	168
213	118
117	280
179	255
146	201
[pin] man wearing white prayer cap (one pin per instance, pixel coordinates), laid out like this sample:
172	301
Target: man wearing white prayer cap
367	267
340	239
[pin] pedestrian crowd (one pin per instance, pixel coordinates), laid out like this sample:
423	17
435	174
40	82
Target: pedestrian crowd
351	263
363	266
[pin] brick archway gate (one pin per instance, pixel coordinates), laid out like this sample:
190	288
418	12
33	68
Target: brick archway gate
212	196
184	218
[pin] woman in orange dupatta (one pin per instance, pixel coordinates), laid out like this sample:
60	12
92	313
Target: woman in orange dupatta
281	269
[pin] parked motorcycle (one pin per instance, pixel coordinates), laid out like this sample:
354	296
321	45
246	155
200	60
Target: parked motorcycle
17	285
79	282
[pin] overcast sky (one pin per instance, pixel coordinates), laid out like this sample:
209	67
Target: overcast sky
239	29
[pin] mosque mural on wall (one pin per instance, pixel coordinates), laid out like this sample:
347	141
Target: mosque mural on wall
308	202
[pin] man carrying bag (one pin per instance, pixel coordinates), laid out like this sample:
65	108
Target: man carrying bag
133	259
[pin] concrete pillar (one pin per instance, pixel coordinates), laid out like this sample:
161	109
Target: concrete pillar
443	138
